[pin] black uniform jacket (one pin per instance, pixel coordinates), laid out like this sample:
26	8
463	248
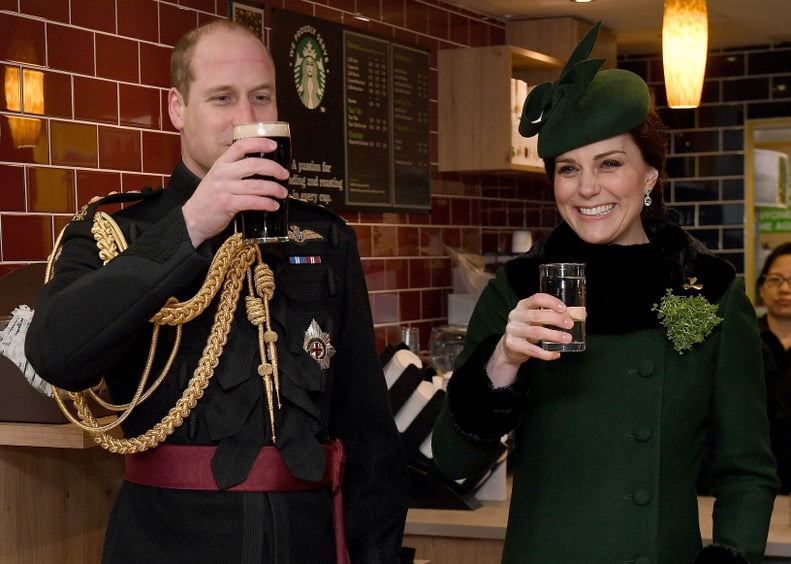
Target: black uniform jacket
777	369
92	322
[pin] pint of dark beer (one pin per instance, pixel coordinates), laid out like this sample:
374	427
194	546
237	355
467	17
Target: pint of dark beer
261	226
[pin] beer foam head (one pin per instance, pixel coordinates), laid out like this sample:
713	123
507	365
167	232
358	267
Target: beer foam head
261	129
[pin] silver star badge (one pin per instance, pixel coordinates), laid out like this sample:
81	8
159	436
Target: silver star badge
317	345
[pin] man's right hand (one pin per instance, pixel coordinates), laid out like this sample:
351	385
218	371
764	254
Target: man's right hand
228	189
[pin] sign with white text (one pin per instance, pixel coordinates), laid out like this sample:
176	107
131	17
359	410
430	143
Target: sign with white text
358	108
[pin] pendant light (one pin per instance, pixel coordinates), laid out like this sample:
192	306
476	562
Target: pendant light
685	38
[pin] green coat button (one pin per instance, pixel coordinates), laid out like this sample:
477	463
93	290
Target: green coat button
646	368
642	434
642	497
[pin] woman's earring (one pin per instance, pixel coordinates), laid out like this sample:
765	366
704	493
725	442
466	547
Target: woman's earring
647	201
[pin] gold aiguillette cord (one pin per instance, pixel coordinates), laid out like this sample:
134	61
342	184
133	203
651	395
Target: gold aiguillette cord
258	315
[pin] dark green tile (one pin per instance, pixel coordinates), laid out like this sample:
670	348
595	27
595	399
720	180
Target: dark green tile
696	141
745	89
721	165
696	191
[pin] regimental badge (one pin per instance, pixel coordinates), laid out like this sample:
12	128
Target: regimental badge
317	345
299	235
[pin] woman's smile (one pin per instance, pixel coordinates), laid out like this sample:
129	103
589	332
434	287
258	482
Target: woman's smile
596	210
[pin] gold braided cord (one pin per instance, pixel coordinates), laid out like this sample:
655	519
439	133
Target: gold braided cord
265	286
258	315
172	313
175	313
111	242
228	268
138	398
53	257
197	384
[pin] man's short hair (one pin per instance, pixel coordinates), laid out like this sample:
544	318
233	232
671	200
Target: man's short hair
181	75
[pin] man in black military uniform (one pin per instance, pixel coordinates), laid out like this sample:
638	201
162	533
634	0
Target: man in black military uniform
236	456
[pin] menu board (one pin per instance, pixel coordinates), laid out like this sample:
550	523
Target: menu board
410	126
369	166
358	108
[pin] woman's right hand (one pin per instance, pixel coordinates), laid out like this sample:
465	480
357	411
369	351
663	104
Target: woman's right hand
528	325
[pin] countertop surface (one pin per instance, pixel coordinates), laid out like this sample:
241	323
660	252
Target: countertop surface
489	522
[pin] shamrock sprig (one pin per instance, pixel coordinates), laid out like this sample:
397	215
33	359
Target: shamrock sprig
687	319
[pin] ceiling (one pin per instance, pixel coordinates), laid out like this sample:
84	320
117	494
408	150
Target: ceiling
637	24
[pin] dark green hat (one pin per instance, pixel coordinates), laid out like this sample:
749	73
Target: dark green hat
585	104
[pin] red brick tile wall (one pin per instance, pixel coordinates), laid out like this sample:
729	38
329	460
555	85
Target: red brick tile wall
104	127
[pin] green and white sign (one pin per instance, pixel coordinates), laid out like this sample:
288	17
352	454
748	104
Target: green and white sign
774	220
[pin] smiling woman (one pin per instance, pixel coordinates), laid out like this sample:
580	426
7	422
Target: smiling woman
609	441
601	189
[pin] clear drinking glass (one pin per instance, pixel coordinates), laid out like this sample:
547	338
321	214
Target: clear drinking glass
566	281
447	341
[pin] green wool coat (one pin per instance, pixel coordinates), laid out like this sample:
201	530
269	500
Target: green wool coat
608	442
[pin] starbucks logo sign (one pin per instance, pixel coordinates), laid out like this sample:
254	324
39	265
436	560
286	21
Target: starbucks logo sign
309	65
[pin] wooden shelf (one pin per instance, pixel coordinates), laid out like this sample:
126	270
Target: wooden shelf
529	60
475	122
61	435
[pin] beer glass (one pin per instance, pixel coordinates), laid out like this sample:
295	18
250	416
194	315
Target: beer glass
259	226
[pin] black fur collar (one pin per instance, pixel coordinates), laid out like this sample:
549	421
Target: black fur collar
625	281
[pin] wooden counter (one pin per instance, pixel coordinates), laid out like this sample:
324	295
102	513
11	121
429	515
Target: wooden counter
779	540
61	435
55	494
476	537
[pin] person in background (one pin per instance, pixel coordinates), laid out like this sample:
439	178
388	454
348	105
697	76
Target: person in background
774	288
607	442
244	478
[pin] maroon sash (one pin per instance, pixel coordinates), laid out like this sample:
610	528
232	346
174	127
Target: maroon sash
188	467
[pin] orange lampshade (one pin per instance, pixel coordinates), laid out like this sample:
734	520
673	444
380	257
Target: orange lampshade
685	40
